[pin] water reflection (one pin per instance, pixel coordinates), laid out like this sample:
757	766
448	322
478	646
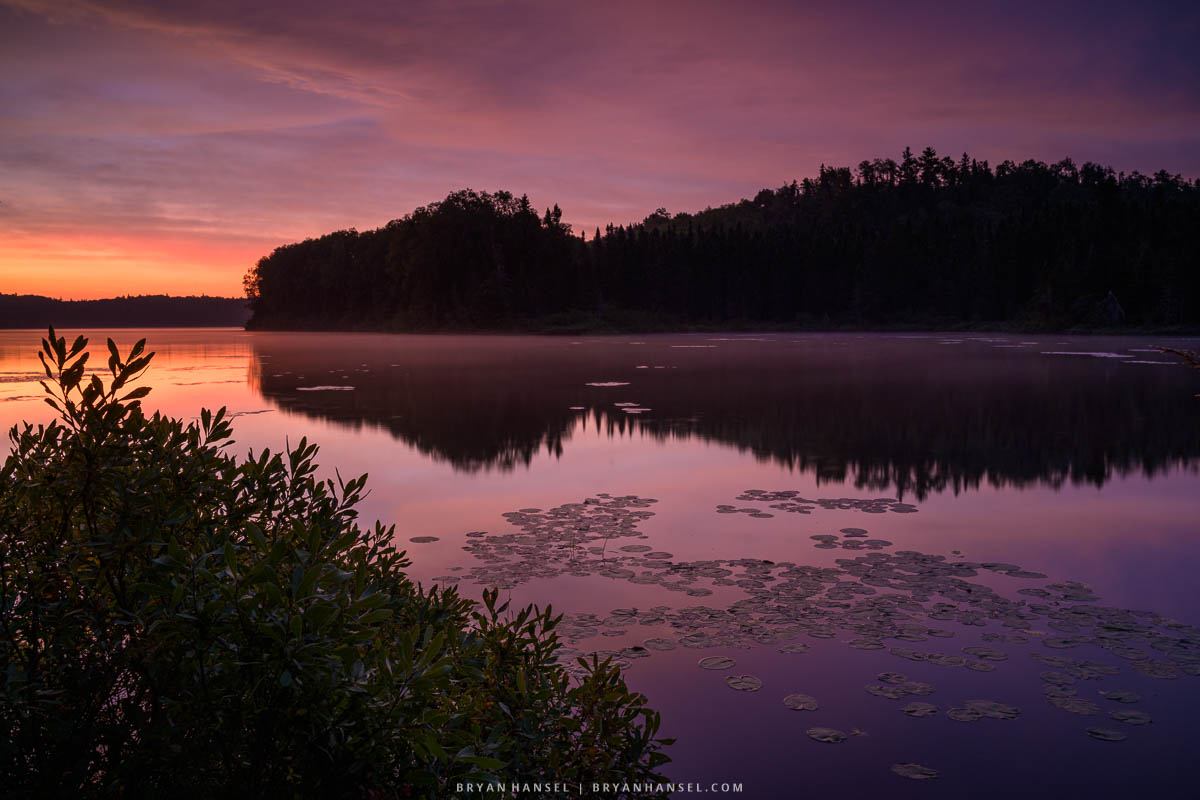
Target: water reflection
833	606
914	415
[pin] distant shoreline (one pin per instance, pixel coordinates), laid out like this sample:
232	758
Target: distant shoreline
18	312
614	331
41	329
535	329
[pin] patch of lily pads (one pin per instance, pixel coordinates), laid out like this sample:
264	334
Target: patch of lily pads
878	597
873	597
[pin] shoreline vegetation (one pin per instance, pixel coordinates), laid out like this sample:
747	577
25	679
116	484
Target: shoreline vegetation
178	621
923	243
588	325
28	311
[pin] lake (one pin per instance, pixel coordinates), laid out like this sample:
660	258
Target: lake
976	553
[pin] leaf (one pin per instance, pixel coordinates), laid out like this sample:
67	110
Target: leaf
319	615
256	535
309	580
378	615
432	745
136	394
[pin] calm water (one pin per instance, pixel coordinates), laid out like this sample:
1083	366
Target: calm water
1065	457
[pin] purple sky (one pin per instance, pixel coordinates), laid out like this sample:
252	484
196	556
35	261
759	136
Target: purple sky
164	146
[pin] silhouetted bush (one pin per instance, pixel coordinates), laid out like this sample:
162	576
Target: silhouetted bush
175	621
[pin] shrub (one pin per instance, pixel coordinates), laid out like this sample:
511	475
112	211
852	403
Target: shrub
176	620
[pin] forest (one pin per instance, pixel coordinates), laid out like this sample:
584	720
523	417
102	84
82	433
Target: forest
926	241
141	311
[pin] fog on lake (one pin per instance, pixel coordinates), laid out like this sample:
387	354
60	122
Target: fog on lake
972	554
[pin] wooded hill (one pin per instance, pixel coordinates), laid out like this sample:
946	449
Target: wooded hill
926	241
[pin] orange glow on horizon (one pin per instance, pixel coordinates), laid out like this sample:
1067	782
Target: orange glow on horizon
89	266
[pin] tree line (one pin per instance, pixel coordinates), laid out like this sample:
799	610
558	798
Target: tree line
923	241
141	311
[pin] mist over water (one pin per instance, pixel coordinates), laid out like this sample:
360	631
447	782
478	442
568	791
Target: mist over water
977	460
914	415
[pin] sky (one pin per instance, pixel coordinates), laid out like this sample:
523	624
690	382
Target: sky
164	146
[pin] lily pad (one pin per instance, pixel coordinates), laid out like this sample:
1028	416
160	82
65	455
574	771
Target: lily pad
914	772
801	702
826	735
1130	716
1059	678
963	714
717	662
916	687
1076	705
993	710
1106	734
866	644
986	653
744	683
920	709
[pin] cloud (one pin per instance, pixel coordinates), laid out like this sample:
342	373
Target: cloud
227	121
